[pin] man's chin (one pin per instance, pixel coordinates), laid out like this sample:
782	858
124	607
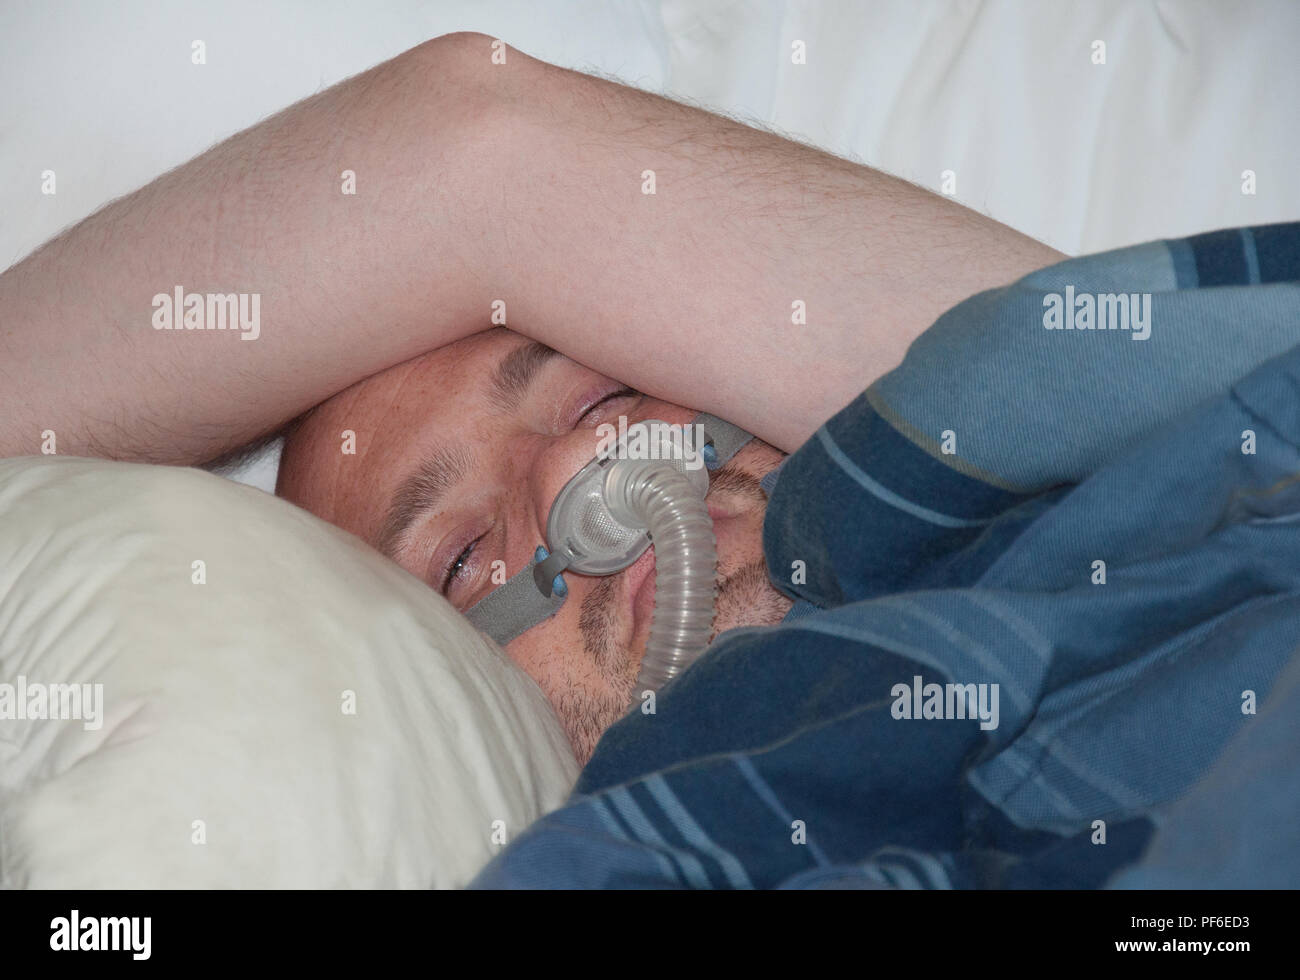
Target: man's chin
744	598
585	714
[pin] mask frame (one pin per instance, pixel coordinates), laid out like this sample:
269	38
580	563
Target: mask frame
537	591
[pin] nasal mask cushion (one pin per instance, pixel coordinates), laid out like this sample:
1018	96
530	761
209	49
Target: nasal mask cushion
590	530
587	525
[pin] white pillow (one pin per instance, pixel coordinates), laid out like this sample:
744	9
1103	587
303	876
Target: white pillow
224	756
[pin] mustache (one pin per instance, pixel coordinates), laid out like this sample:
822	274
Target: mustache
732	479
597	622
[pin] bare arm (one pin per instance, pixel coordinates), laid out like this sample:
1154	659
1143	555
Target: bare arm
688	293
477	182
349	285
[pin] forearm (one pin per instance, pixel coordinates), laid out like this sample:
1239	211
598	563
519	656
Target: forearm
688	293
348	284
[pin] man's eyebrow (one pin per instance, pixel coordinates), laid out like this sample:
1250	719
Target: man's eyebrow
422	491
439	472
516	371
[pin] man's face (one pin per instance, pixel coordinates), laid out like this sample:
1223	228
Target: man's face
460	453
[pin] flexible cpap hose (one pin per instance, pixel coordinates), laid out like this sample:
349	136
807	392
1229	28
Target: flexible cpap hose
676	516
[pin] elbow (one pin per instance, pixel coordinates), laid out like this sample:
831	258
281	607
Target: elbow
484	68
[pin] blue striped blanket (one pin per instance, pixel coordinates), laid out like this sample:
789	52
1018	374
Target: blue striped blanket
1047	583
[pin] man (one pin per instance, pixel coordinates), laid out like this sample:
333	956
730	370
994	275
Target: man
762	281
1039	572
465	449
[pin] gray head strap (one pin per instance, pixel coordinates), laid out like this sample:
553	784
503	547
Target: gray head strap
537	591
521	603
722	439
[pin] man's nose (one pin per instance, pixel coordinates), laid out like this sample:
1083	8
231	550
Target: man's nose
556	463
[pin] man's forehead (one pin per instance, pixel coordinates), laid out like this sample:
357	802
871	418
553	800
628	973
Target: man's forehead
392	417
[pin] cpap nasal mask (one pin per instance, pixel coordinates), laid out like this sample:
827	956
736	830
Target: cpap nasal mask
647	486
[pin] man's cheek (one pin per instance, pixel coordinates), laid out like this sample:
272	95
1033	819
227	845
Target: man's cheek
530	655
542	651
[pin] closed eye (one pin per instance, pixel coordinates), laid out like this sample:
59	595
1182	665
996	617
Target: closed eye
603	402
